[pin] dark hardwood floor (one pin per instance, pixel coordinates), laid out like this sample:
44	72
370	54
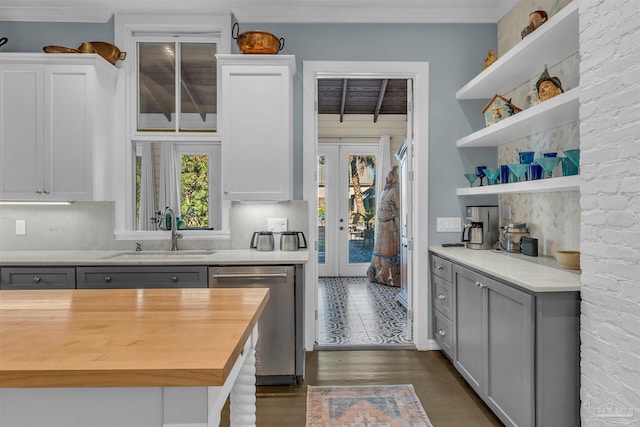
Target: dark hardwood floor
445	396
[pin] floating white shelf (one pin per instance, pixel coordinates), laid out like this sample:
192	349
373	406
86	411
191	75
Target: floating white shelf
552	42
557	111
564	183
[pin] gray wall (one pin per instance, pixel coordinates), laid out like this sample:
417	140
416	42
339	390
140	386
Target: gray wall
455	53
32	36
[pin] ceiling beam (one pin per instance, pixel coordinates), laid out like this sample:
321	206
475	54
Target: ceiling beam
344	98
158	94
383	88
171	68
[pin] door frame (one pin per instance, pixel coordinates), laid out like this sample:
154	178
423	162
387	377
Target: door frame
419	73
337	240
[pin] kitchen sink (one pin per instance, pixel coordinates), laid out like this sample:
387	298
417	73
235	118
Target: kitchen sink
160	254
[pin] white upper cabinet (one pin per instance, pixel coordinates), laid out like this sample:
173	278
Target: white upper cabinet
256	126
56	117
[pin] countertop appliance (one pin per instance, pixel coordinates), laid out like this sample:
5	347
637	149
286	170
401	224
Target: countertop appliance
510	237
292	241
262	241
481	229
276	348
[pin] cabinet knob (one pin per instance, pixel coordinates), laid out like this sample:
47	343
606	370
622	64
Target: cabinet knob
38	192
45	192
107	279
442	333
478	284
174	279
36	279
439	267
441	296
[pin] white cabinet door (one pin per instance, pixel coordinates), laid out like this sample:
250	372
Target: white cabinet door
21	131
256	126
50	132
68	123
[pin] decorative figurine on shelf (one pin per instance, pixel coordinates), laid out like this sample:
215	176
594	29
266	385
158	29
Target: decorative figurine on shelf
490	59
532	96
548	86
536	18
497	109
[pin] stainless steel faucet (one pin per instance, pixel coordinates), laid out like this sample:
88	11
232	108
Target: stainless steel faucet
174	227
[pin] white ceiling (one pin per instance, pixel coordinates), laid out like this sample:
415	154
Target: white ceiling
321	11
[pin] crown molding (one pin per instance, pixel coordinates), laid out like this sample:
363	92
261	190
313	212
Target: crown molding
56	14
277	11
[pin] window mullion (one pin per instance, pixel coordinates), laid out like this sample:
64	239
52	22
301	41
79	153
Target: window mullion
178	74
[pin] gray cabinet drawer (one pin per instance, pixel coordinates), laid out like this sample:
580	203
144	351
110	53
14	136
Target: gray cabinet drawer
442	296
441	267
141	277
37	278
443	333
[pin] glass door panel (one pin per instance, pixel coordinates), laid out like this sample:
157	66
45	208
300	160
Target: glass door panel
346	208
361	207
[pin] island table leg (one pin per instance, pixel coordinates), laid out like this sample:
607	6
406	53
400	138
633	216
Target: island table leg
243	394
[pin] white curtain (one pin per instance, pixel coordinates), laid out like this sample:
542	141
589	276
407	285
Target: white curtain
147	190
383	165
169	182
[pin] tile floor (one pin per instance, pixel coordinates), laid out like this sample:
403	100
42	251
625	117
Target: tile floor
354	313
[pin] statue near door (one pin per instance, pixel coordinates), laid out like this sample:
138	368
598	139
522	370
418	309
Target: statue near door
385	260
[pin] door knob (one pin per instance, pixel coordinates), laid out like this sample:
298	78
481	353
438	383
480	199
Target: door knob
36	279
341	228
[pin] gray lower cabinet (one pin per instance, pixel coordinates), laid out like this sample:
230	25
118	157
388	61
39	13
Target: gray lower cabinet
518	349
495	344
442	302
141	277
19	278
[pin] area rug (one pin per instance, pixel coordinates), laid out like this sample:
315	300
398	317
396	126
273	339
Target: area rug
365	406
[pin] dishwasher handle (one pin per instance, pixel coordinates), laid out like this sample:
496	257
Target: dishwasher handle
247	275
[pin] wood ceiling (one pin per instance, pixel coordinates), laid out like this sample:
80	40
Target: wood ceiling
362	96
198	89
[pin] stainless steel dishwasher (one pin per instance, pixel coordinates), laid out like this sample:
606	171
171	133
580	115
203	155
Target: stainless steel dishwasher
276	348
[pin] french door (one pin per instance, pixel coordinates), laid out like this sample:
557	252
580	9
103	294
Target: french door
346	208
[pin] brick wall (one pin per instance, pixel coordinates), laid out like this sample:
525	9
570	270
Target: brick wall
610	202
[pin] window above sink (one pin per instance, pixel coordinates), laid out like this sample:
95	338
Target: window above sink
171	155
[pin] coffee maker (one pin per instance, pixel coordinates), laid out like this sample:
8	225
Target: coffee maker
481	228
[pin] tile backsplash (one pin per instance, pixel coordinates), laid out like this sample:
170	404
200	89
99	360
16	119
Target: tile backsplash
552	218
246	218
81	226
90	226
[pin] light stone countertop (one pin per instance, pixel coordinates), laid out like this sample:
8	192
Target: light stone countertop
537	274
132	258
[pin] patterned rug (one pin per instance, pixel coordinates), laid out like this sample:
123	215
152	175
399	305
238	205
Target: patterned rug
365	406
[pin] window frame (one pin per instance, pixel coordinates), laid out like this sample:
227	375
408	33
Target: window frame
129	30
213	151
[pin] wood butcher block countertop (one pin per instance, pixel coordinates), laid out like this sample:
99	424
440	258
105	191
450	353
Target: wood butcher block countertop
130	337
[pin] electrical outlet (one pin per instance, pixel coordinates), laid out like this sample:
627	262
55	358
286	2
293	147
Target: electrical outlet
277	225
506	211
448	225
21	227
